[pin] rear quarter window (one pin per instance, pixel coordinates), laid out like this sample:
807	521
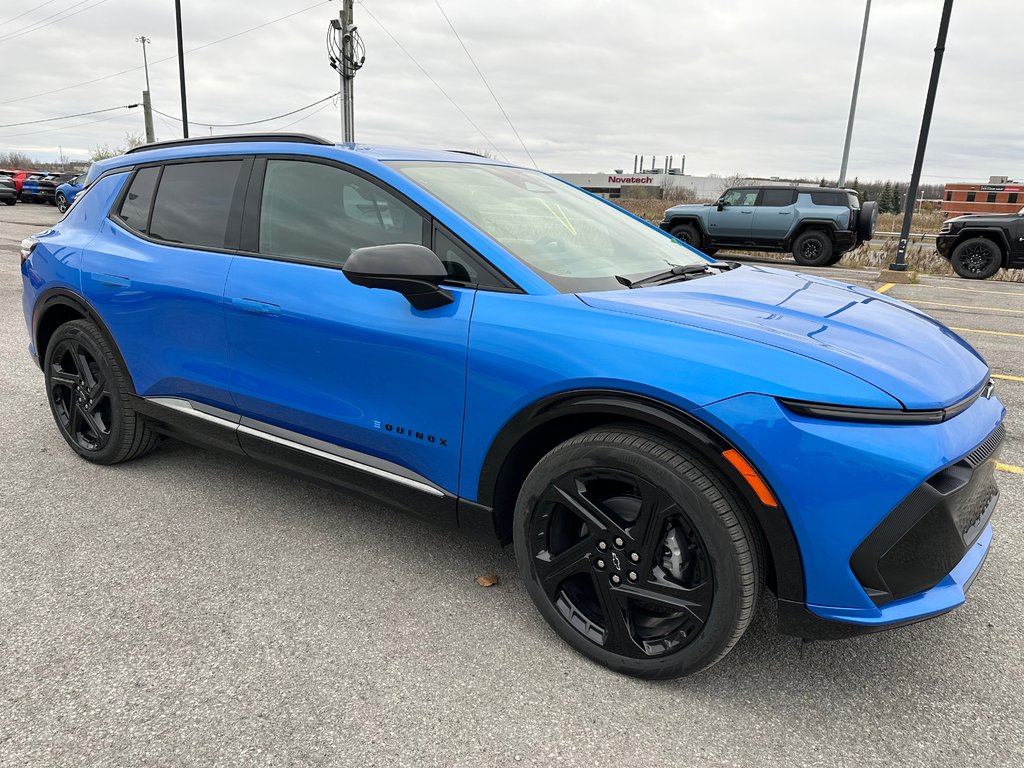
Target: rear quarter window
193	203
830	197
134	210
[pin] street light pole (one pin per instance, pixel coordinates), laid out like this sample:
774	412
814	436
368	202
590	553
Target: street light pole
900	264
147	104
181	70
853	101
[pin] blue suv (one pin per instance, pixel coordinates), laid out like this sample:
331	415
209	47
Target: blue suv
659	434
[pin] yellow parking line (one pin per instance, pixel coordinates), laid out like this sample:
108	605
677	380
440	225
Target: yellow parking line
969	290
995	333
1010	468
885	287
1008	378
963	306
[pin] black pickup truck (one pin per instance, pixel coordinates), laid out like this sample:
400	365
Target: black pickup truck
979	245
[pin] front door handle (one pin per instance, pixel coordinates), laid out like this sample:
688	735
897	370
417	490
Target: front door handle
784	213
746	211
256	307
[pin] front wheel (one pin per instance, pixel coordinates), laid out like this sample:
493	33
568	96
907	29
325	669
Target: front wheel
637	554
687	233
812	249
976	259
61	202
11	201
88	395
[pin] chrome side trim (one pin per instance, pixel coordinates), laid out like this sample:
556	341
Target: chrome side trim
189	408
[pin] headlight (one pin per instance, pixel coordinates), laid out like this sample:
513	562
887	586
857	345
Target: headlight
885	415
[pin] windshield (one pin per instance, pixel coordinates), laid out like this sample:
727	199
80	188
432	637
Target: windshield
574	241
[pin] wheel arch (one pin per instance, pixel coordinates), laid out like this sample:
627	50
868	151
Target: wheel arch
994	234
823	225
58	306
541	426
687	219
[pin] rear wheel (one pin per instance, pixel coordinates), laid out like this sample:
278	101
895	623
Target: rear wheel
62	202
88	395
976	259
11	200
812	249
637	554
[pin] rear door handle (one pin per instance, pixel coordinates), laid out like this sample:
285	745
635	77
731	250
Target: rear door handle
119	282
256	307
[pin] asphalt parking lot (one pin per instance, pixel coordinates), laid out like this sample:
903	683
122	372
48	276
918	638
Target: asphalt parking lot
191	608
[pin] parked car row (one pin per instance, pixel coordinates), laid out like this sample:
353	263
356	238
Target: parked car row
40	187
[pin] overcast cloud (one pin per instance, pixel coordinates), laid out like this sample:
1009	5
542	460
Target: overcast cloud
759	87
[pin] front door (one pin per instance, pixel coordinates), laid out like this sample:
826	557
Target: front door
351	371
733	221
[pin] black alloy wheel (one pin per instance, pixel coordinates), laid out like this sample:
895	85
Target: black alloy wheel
636	554
80	395
87	391
976	259
812	249
687	233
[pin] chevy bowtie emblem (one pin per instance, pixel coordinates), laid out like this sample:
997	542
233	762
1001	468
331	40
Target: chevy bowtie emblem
616	562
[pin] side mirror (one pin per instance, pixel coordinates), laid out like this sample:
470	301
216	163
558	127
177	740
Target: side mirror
720	204
411	270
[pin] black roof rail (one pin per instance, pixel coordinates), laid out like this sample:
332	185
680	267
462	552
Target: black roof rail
234	138
467	152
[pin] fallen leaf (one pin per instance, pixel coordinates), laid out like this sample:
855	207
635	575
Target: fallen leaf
488	580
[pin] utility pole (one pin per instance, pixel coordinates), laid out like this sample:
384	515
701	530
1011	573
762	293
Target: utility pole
345	54
147	105
853	101
922	142
181	70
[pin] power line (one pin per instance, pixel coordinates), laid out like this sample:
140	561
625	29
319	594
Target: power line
251	122
68	117
36	26
65	127
168	58
26	13
488	85
431	79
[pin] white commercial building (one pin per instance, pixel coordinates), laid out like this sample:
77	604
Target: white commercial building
613	184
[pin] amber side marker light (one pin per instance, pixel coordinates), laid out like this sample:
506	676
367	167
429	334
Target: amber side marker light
757	485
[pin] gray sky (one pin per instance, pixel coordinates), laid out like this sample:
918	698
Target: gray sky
759	87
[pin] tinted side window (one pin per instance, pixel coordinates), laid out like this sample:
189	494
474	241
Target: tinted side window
829	198
320	213
740	197
193	203
778	197
134	209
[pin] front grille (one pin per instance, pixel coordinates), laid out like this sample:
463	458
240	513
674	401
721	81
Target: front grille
930	531
976	457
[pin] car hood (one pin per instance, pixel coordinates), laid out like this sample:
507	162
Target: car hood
687	208
884	342
982	218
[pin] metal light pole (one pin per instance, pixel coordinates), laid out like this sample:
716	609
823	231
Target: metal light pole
181	70
853	101
922	142
147	105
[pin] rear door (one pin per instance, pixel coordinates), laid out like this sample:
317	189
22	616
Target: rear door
773	216
334	367
734	220
156	275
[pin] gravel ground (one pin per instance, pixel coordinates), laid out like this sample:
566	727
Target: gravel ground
192	608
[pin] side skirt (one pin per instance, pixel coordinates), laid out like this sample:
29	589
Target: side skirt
368	476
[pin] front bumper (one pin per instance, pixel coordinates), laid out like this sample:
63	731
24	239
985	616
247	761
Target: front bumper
844	484
944	244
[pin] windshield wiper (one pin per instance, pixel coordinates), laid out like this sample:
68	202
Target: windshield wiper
683	271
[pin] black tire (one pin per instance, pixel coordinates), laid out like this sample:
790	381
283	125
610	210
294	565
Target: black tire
11	201
688	233
87	391
835	259
977	258
689	575
61	201
813	248
866	221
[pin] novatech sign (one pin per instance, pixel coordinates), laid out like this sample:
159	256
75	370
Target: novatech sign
630	179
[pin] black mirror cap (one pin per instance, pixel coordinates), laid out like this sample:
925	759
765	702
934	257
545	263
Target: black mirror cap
412	270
